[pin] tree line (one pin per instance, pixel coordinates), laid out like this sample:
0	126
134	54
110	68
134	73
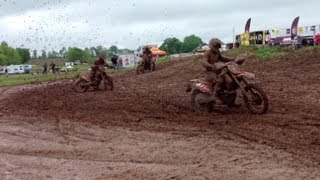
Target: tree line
75	53
10	55
175	46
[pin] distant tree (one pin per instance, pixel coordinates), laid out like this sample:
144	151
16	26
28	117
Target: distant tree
114	49
99	50
62	52
88	51
190	43
24	54
125	51
43	54
93	51
53	54
50	55
78	54
8	55
171	45
34	54
3	43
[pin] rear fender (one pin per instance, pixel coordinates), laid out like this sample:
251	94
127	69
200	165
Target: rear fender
203	87
85	77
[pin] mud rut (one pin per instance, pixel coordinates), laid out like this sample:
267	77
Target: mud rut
145	128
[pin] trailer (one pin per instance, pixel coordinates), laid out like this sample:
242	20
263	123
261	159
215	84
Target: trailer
16	69
127	60
297	36
307	35
252	38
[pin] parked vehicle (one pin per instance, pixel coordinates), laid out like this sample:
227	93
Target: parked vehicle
15	69
69	66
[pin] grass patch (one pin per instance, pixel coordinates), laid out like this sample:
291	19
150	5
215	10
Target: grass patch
308	49
37	76
260	53
18	79
267	52
163	60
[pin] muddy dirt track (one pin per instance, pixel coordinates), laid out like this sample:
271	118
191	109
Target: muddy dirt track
146	129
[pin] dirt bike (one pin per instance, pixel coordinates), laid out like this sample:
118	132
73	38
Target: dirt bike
253	96
83	83
147	66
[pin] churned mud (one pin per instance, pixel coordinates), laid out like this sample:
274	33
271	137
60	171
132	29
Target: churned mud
146	128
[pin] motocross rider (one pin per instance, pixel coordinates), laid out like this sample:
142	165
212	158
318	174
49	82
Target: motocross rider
146	55
215	62
99	65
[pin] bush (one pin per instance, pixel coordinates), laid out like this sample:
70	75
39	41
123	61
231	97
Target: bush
267	52
78	54
8	55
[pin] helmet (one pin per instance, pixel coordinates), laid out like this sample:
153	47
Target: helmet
102	56
215	43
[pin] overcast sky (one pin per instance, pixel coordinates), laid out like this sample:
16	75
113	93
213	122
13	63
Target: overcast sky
44	24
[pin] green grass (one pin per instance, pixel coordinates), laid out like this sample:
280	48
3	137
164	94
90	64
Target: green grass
40	62
308	49
11	80
163	60
260	53
37	76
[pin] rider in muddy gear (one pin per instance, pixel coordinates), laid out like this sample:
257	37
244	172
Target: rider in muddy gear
216	62
99	65
146	55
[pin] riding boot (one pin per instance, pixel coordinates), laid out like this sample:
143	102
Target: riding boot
216	92
217	99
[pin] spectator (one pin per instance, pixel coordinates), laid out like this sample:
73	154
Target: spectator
6	71
121	63
53	67
114	61
45	69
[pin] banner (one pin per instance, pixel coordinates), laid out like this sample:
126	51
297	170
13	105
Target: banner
294	28
247	28
245	39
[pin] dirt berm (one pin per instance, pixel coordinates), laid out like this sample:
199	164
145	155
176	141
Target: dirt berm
145	128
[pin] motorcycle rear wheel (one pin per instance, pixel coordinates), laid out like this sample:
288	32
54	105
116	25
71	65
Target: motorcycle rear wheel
108	83
81	85
200	101
256	100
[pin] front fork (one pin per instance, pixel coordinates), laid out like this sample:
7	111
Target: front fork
239	84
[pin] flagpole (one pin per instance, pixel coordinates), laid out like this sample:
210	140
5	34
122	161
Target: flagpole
233	38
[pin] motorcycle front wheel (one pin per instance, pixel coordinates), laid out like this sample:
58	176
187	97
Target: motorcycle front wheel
201	101
108	83
255	99
81	85
153	66
140	69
